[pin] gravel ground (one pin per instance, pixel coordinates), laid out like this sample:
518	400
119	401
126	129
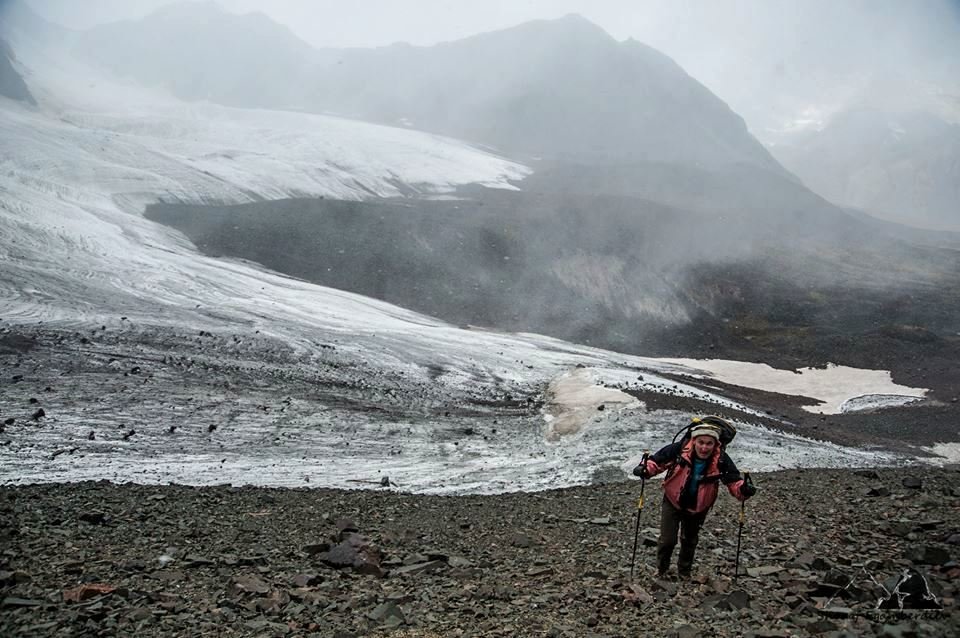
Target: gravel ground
107	559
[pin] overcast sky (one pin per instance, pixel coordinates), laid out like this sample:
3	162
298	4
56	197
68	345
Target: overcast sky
759	55
660	23
366	23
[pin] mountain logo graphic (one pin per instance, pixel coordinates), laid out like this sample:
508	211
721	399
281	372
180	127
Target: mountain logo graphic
912	591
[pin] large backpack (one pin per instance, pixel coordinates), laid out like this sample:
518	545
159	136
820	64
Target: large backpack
727	431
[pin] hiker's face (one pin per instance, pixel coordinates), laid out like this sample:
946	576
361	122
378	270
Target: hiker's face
704	446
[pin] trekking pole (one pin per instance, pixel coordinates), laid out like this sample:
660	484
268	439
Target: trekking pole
743	518
636	531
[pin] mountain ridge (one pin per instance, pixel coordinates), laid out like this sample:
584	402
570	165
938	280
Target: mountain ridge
550	87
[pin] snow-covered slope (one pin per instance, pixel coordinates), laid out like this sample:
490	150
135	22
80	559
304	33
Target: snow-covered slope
79	170
75	174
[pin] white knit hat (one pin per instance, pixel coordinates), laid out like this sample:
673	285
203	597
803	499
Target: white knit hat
705	429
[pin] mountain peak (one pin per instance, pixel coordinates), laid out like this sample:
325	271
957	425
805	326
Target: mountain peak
571	29
190	8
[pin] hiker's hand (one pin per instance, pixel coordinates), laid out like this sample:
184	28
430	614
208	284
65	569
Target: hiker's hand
641	471
748	490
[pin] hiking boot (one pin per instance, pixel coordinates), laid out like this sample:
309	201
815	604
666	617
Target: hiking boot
684	574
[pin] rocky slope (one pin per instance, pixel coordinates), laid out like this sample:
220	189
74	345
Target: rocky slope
11	83
789	286
818	549
902	166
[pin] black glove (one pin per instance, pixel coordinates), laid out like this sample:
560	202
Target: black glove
748	490
641	471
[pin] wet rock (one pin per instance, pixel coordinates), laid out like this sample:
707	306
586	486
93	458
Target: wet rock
413	559
650	536
316	548
737	599
821	564
11	578
873	475
94	518
521	540
459	561
341	555
912	482
346	526
665	586
899	528
306	580
273	603
140	614
927	554
39	414
249	584
355	552
878	491
388	614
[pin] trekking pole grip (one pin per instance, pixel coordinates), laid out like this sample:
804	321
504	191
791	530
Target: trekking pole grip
643	480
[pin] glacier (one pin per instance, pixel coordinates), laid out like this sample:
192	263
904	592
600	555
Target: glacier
76	173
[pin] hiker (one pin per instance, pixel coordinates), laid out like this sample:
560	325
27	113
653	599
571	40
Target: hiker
695	466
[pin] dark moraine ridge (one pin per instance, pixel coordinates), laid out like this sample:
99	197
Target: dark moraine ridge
170	560
623	273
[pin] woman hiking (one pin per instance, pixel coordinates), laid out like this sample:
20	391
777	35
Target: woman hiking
695	467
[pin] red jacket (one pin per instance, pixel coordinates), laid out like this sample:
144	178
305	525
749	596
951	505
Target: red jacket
677	459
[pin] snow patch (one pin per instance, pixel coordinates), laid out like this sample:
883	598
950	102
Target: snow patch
831	387
950	452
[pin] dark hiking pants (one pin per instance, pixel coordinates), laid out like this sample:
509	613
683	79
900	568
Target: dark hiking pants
673	520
